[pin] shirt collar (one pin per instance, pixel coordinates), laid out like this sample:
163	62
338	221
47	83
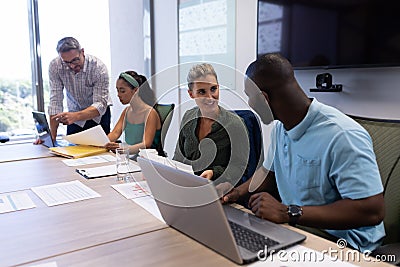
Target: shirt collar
297	132
85	64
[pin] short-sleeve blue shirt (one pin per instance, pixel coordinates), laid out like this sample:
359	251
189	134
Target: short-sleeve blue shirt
325	158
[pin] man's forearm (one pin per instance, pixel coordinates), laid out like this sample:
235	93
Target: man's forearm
88	113
345	213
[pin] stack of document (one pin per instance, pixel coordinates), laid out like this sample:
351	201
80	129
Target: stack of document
89	142
77	151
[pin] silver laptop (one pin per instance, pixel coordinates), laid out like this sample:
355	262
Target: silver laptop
43	130
191	205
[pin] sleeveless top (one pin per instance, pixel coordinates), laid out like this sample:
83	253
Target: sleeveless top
134	134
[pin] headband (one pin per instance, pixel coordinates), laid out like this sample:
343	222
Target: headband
129	79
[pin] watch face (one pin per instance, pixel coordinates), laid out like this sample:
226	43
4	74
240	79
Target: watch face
294	213
295	210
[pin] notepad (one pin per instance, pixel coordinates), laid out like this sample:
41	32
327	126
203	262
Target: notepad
77	151
102	171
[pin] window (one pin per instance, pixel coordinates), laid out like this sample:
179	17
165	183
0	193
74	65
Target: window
85	20
16	98
56	23
270	18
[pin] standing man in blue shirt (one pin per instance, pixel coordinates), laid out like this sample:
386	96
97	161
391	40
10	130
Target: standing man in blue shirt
86	82
323	163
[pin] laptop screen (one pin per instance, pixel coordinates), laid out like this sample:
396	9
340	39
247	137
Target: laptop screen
42	128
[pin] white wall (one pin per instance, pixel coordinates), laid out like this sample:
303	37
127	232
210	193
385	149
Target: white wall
166	59
126	44
367	92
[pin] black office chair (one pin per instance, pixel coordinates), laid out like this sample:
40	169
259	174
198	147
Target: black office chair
165	111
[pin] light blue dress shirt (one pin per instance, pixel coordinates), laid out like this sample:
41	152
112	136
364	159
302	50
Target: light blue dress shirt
325	158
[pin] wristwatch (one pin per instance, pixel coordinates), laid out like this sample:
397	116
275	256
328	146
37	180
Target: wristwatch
294	213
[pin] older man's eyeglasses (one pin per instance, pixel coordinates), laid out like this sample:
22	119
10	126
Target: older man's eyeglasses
74	61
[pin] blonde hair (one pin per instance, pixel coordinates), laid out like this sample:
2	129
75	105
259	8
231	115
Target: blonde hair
198	71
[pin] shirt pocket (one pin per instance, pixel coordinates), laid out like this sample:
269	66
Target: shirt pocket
307	172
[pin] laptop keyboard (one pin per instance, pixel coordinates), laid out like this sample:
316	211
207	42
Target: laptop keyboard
249	239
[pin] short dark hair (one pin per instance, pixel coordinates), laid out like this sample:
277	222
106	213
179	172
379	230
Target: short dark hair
66	44
272	68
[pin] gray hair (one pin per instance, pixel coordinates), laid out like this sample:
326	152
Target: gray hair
198	71
66	44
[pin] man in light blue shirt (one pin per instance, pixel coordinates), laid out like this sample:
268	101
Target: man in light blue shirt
323	163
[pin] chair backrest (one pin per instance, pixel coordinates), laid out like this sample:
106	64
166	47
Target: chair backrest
386	141
256	154
392	206
165	111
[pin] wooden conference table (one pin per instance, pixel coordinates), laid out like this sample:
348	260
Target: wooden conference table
106	231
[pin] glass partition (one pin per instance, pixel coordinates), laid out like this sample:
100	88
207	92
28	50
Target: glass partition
207	33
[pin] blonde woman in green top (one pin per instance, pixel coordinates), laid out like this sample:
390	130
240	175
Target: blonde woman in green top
208	131
140	121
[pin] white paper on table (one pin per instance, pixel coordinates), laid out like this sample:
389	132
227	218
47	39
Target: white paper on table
89	160
149	204
107	170
144	152
169	162
133	190
94	136
15	201
47	264
300	256
131	167
61	193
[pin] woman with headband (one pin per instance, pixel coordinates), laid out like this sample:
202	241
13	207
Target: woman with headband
139	121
